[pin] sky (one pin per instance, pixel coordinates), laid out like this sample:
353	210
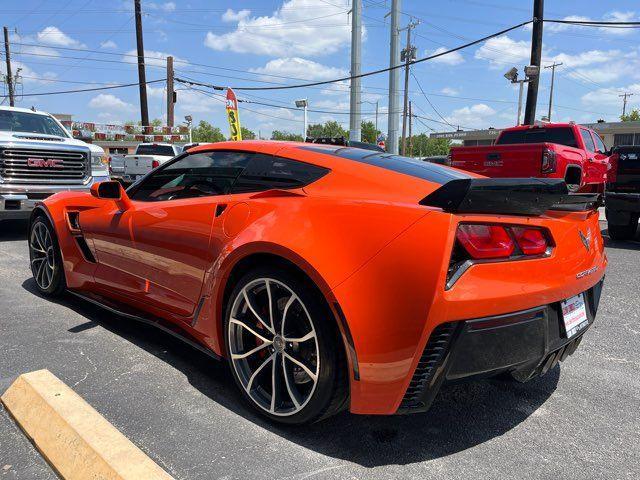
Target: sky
77	44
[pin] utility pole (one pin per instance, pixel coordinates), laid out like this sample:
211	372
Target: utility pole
376	119
408	54
355	132
410	137
624	97
171	94
553	76
7	55
394	79
142	77
536	58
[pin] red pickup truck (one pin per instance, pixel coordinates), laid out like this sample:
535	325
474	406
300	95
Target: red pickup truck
551	150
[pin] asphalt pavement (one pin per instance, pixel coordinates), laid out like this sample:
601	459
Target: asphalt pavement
580	421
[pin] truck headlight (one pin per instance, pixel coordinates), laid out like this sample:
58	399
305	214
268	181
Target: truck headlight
97	160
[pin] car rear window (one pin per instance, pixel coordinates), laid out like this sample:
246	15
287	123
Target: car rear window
559	135
409	166
162	150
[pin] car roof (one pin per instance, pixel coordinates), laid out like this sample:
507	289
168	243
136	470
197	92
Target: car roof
24	110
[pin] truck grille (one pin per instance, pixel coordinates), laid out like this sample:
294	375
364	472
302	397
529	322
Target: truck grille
35	166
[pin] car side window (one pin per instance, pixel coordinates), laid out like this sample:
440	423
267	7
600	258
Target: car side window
265	172
588	140
600	146
200	174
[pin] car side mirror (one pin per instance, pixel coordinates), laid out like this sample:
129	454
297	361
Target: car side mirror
111	190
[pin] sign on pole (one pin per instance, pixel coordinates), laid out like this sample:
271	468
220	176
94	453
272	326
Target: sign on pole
233	115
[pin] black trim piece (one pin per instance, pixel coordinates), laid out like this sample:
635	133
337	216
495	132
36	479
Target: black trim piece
196	314
428	374
516	196
84	248
350	344
156	322
220	208
431	172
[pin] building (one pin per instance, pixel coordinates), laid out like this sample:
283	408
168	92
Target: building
612	133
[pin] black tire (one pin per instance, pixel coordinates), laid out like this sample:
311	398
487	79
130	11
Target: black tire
623	232
330	392
44	255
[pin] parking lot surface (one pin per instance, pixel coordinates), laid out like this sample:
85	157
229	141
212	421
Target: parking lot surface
180	407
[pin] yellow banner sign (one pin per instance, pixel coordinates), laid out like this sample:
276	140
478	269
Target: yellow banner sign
233	116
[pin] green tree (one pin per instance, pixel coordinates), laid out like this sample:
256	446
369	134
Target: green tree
331	128
247	134
204	132
632	116
286	136
156	122
423	146
369	133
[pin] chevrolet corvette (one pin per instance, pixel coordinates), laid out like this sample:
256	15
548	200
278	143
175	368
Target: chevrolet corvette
331	277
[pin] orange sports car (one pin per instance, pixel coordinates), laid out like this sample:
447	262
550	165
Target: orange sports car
332	277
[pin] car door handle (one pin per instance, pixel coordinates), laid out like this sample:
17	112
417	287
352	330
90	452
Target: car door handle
221	207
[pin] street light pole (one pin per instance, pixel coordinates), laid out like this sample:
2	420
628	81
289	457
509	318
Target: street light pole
521	82
304	103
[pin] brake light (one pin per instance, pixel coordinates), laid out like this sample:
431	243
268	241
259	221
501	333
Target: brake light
155	163
485	241
548	160
532	241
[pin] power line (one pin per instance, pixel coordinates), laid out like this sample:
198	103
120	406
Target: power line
429	101
111	87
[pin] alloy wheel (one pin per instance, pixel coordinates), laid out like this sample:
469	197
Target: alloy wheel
273	346
43	258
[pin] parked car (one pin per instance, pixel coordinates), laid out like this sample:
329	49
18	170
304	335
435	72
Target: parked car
147	157
622	205
39	157
551	150
116	164
332	277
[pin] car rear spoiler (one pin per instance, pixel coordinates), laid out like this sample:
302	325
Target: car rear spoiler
509	196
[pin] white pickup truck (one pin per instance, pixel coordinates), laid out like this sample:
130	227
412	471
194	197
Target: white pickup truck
39	157
147	157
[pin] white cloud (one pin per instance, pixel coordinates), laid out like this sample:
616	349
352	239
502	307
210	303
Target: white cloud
475	116
164	7
299	68
152	57
294	28
608	97
56	37
500	51
614	16
453	58
28	75
108	44
449	91
110	103
232	16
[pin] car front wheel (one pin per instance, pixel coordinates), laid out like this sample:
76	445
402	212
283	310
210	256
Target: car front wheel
283	347
45	259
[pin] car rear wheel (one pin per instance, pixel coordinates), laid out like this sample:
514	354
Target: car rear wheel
283	347
45	259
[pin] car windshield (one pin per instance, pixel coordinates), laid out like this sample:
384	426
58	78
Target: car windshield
162	150
559	135
11	121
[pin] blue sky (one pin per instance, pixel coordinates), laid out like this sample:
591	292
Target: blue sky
266	42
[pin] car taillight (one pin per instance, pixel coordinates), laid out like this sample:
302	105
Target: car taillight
532	241
485	241
548	160
155	163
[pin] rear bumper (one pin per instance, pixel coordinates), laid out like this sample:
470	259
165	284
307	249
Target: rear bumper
17	201
527	343
625	202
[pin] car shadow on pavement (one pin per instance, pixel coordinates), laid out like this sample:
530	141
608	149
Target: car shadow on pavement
462	416
12	230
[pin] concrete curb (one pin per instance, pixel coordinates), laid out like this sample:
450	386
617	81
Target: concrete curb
73	437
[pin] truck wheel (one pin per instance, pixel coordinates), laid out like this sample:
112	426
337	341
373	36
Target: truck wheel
624	232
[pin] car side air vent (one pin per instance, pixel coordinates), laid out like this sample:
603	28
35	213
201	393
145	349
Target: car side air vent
84	248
